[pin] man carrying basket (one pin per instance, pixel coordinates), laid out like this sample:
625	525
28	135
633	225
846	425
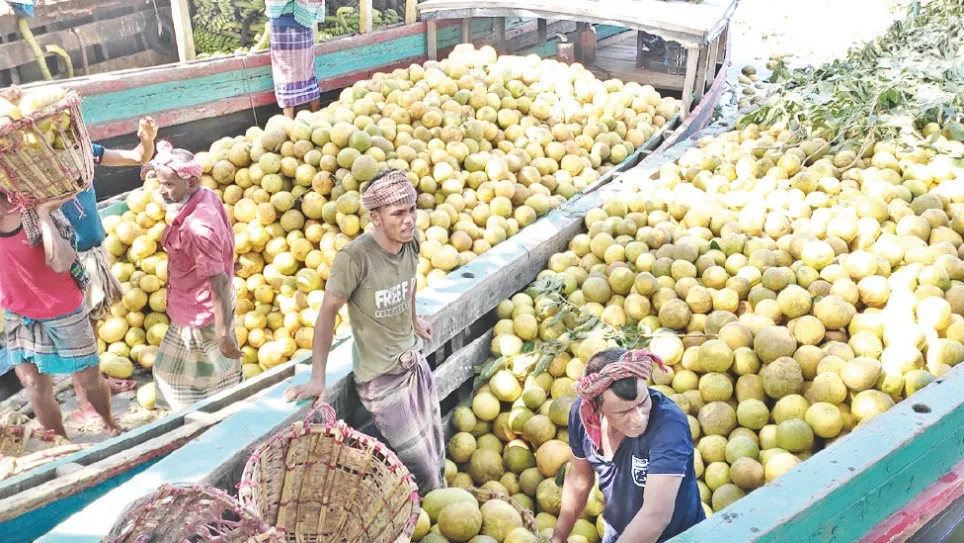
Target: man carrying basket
42	286
375	276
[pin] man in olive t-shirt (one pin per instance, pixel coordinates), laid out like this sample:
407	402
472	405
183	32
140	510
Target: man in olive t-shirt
375	276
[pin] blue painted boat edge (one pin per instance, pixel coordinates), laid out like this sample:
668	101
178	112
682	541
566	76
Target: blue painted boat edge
843	492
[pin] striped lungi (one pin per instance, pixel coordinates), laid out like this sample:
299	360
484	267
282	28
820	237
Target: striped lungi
293	62
57	346
105	290
189	367
404	405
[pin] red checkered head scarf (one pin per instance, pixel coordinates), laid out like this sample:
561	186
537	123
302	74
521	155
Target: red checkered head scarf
387	189
632	364
174	159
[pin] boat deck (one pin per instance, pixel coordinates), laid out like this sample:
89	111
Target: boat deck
616	59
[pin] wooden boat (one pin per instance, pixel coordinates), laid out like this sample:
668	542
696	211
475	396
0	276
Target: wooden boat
188	100
877	484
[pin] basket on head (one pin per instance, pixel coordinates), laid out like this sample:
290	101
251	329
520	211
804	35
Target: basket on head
179	513
24	445
528	519
45	155
330	483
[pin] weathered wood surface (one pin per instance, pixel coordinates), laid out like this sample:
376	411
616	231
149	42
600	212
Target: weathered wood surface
18	52
460	367
690	24
183	30
926	508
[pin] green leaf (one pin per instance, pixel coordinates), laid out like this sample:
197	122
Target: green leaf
528	346
561	475
487	370
544	362
955	130
714	245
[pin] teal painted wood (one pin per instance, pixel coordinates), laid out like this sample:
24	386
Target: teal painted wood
844	491
136	102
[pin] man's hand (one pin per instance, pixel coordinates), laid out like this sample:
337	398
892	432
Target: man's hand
314	388
423	329
46	208
228	344
147	130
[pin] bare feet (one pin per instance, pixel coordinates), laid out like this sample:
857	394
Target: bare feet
120	385
85	416
113	430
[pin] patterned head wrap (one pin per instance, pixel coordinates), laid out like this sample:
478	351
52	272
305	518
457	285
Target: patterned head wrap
166	156
633	364
393	188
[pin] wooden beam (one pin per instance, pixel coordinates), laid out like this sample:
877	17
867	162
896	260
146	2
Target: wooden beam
701	73
467	30
365	16
639	49
542	31
711	65
183	31
431	40
689	81
411	13
499	27
460	367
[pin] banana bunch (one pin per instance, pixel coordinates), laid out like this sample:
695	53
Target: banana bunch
227	26
347	21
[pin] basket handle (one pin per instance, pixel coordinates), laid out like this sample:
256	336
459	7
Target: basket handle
328	415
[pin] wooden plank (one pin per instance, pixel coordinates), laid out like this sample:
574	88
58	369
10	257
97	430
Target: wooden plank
431	40
137	60
365	16
18	53
624	69
460	367
411	11
714	59
844	491
700	84
55	12
466	30
183	31
692	59
542	32
499	27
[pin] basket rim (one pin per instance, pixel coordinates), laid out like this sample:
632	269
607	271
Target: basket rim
71	98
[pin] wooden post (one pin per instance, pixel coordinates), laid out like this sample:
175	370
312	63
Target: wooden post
499	23
183	32
542	31
411	14
639	49
692	59
586	43
431	38
701	72
365	16
711	65
467	30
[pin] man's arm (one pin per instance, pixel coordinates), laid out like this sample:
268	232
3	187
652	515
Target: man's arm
422	327
320	347
58	253
659	502
138	156
575	493
223	318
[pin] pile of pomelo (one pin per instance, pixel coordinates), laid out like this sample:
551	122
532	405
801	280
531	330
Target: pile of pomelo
490	143
794	294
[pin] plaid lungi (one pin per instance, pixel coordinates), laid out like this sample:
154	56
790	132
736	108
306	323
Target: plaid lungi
190	367
293	62
105	290
405	407
58	346
4	358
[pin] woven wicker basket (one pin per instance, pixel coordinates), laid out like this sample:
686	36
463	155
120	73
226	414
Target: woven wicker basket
528	519
24	445
179	513
33	174
330	483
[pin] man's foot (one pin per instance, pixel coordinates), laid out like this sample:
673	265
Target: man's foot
85	416
120	385
113	430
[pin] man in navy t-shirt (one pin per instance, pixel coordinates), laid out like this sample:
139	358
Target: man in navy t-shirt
638	442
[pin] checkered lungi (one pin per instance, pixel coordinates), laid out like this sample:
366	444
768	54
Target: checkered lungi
293	62
57	346
190	367
105	290
405	407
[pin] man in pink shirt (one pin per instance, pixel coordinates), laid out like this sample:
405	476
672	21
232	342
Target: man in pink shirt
48	331
199	356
